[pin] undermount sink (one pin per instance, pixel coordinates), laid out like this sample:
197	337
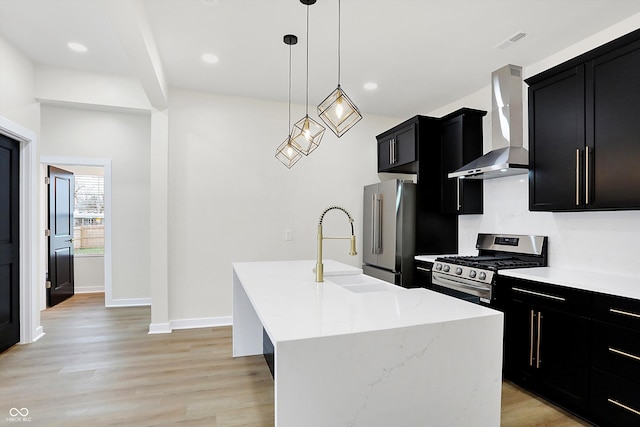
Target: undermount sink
361	283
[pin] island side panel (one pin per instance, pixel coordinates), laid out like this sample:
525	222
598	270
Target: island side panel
247	328
443	374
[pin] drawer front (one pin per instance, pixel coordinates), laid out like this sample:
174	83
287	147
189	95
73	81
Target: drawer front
423	274
614	401
618	310
616	350
560	298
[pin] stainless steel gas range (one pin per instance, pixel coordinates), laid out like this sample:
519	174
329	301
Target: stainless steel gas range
473	277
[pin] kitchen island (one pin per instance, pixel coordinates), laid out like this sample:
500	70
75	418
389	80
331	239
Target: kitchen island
356	351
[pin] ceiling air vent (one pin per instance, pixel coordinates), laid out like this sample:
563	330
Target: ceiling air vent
511	40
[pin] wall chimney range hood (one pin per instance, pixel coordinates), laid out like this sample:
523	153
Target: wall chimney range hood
508	156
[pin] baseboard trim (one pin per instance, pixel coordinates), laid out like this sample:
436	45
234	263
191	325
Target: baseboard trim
159	328
89	290
128	302
203	322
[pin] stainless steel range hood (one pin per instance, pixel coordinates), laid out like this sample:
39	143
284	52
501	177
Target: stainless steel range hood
507	157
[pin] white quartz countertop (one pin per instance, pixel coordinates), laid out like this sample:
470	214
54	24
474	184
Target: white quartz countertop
605	283
291	305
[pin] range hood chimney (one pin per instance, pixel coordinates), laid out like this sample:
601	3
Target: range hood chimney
507	157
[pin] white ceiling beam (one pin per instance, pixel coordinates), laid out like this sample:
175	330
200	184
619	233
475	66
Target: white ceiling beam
132	27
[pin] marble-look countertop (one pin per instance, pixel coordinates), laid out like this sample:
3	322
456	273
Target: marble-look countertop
393	356
285	290
605	283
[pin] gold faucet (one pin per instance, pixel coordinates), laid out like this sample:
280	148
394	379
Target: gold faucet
352	251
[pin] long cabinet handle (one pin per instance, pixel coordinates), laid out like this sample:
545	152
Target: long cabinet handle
624	353
586	178
538	340
391	151
458	204
379	224
374	244
531	338
624	313
577	176
539	294
623	406
428	270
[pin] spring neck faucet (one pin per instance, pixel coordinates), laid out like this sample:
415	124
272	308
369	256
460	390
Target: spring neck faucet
352	251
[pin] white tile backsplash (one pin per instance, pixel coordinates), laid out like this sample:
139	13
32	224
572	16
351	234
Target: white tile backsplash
605	241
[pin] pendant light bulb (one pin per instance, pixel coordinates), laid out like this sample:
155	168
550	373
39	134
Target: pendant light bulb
339	108
337	111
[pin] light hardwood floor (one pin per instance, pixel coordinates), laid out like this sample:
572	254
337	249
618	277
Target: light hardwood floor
98	366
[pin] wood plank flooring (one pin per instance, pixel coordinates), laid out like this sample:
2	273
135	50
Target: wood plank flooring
98	366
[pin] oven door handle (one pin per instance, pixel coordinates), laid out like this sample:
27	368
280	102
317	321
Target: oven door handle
445	280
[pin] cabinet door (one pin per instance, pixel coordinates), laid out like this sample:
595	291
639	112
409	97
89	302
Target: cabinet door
563	357
557	141
519	342
613	126
384	154
405	146
461	143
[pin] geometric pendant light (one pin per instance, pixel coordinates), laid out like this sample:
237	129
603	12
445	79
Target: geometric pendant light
286	152
307	133
337	111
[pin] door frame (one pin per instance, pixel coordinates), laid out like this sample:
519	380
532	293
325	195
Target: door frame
30	273
79	161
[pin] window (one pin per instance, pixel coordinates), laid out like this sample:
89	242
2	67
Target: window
88	215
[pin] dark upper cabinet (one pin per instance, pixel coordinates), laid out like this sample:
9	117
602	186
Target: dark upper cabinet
461	139
556	142
583	127
398	148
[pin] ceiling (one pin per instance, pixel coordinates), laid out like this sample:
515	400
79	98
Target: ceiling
423	54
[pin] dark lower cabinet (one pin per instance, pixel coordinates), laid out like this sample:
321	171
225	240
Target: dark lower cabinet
614	401
578	349
547	351
615	374
422	274
268	352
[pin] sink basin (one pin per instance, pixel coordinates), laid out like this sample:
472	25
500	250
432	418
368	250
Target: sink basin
361	283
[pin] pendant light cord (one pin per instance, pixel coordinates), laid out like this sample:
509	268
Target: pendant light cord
339	42
289	129
307	94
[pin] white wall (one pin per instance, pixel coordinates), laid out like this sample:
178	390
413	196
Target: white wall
17	88
591	241
123	138
231	200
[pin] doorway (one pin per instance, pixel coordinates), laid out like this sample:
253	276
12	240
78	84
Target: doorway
92	266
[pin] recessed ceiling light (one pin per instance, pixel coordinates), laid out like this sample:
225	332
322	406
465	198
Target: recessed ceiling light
371	86
210	58
77	47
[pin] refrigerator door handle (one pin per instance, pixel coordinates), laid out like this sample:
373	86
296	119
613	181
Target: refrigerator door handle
374	244
378	225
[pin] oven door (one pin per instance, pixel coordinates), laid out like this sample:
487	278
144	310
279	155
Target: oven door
481	292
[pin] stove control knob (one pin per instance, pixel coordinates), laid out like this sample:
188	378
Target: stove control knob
482	275
446	268
438	267
472	274
458	270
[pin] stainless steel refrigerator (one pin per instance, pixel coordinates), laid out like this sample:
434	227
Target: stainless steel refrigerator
389	229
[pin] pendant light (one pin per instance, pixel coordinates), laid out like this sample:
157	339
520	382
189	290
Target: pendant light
286	152
337	111
307	133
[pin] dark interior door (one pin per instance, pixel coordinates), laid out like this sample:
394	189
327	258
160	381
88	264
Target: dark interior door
61	194
9	244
